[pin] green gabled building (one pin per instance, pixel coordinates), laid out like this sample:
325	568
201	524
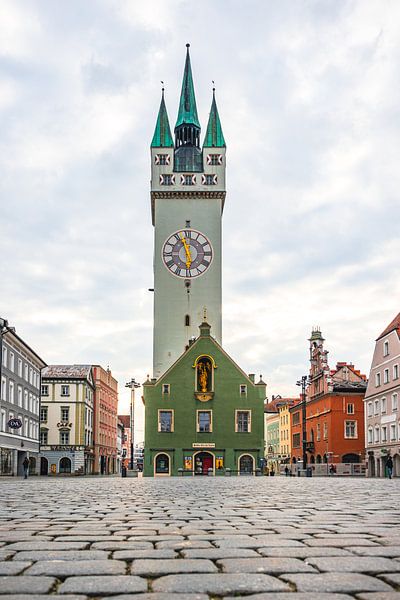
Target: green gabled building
204	416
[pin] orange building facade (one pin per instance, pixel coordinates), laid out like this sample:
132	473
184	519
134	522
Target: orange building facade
105	421
334	412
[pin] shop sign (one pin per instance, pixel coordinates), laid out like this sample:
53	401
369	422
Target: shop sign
188	463
205	445
14	423
63	448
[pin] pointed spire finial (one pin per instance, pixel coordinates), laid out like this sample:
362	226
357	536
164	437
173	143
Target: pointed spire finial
162	137
214	137
205	313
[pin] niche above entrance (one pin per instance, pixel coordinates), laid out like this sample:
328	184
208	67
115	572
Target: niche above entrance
204	366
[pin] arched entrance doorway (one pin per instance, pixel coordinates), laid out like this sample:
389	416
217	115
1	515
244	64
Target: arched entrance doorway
65	465
44	466
371	466
162	465
350	458
246	464
318	459
312	459
202	462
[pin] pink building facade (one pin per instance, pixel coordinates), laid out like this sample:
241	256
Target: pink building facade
381	404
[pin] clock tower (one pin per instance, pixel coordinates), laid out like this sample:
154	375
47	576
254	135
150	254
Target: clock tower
187	201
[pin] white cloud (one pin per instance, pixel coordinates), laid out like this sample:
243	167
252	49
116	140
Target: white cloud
308	98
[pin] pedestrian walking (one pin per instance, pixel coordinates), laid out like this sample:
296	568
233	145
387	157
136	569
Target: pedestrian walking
25	464
287	471
389	466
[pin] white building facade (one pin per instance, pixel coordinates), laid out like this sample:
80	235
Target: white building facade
381	403
67	420
20	369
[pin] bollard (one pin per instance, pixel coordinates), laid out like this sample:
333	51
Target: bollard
227	472
258	472
180	471
210	472
123	472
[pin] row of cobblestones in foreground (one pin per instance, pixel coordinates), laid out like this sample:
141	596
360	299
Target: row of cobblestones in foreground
199	538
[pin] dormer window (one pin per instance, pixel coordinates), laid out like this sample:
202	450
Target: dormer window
243	389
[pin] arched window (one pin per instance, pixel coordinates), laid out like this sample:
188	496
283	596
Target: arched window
162	464
187	320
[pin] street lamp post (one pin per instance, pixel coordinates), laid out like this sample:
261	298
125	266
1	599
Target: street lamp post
132	384
303	383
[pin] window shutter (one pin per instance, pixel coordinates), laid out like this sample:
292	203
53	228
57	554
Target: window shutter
173	179
209	159
193	179
182	180
167	159
161	179
203	178
157	159
220	159
214	180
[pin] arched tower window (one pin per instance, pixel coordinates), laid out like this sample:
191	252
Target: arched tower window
187	320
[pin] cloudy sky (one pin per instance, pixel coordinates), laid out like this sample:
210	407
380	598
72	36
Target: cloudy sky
309	99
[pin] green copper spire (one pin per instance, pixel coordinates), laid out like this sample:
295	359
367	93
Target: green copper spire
187	106
162	137
214	137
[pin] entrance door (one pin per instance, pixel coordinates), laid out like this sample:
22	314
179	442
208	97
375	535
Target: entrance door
44	466
203	462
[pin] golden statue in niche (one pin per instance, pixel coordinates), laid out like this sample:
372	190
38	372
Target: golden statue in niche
204	374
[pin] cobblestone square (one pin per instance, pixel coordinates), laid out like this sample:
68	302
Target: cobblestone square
199	538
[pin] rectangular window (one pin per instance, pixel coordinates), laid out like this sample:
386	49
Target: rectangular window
318	432
376	407
370	435
4	356
26	372
204	423
350	409
12	365
377	379
383	406
44	436
165	388
243	390
45	389
161	159
214	159
394	402
64	438
296	418
296	440
384	434
376	435
11	392
165	421
20	396
188	179
210	180
3	388
43	414
65	390
325	431
167	179
19	367
243	421
385	348
386	376
369	409
393	432
64	414
350	430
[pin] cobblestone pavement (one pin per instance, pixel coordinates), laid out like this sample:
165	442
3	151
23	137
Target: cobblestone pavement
199	538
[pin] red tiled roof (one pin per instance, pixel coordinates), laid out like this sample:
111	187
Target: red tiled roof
273	405
393	326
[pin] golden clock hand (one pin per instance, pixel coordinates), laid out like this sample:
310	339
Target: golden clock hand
187	250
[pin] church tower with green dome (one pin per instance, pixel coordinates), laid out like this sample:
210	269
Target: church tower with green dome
187	201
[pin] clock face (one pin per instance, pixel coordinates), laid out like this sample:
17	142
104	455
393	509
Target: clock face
187	253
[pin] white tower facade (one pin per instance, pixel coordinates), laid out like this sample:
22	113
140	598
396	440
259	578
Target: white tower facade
187	201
